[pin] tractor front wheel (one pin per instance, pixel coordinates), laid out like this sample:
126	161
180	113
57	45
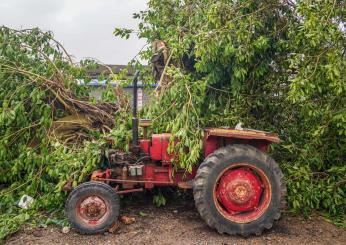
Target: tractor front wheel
239	190
92	207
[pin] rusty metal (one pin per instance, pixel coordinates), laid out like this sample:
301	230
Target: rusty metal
242	193
97	174
130	191
239	190
92	209
145	123
242	134
134	181
185	185
124	172
165	170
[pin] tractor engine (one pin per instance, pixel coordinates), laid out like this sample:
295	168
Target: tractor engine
148	165
157	148
153	152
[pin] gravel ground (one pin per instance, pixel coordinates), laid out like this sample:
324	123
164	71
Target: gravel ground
181	224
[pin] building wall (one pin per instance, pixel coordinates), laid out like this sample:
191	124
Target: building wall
142	96
99	85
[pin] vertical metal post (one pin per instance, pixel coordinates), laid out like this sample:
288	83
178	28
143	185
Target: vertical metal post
134	117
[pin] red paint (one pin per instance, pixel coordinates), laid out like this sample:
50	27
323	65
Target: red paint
156	147
149	172
130	191
210	144
158	150
262	145
166	157
134	181
101	174
239	190
108	173
234	205
161	174
243	193
145	145
153	175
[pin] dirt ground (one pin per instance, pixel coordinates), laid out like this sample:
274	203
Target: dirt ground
181	224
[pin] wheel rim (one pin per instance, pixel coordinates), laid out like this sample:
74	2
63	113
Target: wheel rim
92	210
242	193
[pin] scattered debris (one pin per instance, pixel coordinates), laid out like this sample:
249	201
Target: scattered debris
38	232
186	228
114	227
68	186
127	220
143	214
25	201
239	126
65	229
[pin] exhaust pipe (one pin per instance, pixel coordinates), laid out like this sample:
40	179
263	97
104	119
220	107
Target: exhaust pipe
134	116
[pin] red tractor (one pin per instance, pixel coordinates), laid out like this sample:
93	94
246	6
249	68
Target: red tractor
238	188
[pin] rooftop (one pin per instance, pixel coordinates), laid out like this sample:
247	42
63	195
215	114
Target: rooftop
104	70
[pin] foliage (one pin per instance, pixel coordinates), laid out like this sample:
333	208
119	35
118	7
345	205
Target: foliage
32	160
274	65
159	200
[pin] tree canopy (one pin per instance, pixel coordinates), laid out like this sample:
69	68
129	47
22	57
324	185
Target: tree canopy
274	65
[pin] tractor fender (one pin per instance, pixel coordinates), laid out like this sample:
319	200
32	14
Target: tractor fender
215	138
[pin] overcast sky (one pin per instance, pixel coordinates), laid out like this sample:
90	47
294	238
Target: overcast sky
84	27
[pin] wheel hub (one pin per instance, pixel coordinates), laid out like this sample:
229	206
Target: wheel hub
92	208
239	190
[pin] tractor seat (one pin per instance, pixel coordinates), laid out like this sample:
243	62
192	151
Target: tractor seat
144	122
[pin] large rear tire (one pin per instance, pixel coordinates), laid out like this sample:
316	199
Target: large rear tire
92	207
239	190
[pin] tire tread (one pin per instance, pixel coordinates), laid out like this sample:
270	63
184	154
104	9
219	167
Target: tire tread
207	167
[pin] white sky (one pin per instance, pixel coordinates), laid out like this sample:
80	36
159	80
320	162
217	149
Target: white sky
84	27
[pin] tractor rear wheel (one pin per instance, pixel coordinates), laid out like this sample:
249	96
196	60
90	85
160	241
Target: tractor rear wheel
92	207
239	190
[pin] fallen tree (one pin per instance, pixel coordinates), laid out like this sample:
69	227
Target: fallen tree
272	65
275	65
51	131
